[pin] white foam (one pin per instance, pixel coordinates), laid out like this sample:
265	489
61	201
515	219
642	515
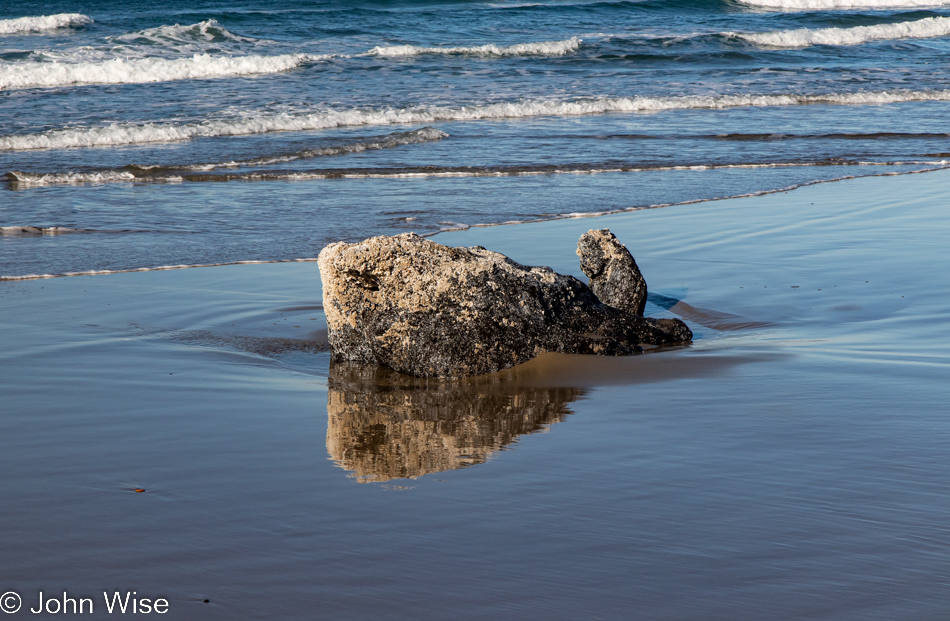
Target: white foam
143	70
42	22
792	5
207	31
69	178
803	37
116	176
546	48
30	231
160	268
123	134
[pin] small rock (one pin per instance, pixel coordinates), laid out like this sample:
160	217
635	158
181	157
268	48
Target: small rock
614	276
430	310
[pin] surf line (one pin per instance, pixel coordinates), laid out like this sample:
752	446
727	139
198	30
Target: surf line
462	227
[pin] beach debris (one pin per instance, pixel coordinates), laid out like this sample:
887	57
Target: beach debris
429	310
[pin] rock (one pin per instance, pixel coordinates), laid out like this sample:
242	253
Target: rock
430	310
614	276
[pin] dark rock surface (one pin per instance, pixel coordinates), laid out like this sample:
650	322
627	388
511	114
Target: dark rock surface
614	276
430	310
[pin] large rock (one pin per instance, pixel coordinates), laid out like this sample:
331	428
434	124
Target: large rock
427	310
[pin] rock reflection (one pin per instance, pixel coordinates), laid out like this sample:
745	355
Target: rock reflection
384	425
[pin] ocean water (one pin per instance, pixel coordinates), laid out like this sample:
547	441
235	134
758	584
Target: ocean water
135	135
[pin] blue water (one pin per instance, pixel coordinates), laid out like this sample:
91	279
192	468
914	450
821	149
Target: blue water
117	127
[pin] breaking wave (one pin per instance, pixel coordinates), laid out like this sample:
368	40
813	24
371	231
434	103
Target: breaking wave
160	268
804	5
176	36
144	70
422	172
68	178
125	133
42	22
921	29
547	48
35	231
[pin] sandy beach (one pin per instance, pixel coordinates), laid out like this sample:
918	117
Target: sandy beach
790	464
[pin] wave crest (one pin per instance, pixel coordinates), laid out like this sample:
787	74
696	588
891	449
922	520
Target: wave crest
124	134
204	37
395	139
209	30
42	22
803	37
68	178
144	70
541	48
425	172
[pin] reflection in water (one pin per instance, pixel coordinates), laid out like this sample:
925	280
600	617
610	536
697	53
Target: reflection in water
383	425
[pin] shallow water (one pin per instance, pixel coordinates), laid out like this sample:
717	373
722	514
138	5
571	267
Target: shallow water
793	469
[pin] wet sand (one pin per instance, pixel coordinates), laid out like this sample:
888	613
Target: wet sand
790	464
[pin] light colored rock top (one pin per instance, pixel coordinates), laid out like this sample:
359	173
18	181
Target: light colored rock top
431	310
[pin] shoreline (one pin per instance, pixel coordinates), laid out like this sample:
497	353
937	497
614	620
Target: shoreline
567	216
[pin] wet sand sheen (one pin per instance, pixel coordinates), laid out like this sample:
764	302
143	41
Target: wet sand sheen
790	464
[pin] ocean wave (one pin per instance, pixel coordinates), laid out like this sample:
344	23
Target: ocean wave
803	37
804	5
125	133
144	70
395	139
42	22
36	231
449	226
159	268
208	31
135	172
68	178
546	48
422	172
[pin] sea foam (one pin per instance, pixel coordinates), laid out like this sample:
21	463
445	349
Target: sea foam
209	31
262	122
36	231
143	70
425	172
42	22
541	48
803	37
68	178
804	5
